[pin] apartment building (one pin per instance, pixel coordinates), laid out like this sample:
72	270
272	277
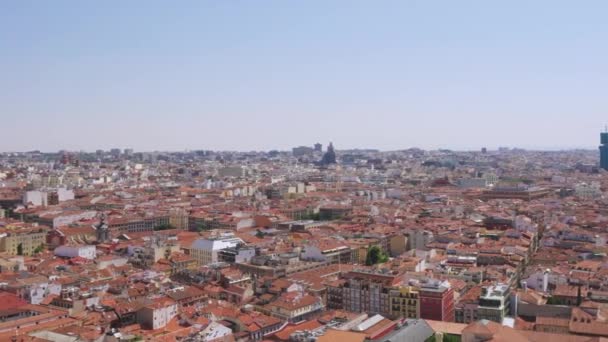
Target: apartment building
21	238
437	301
205	251
404	302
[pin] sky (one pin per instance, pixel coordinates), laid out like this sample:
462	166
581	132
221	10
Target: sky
260	75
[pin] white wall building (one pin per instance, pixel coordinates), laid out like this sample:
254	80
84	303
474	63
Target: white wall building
65	195
41	291
584	190
205	250
40	198
157	315
541	280
83	251
215	331
36	198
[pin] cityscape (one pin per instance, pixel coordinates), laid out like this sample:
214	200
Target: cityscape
316	243
303	171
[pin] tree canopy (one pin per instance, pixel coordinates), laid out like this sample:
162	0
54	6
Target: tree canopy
163	227
375	255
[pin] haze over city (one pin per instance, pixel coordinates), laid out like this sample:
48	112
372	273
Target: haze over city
259	76
303	171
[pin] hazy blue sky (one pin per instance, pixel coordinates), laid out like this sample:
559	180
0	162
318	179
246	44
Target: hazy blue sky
275	74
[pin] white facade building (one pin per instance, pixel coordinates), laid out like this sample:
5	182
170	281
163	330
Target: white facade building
205	250
584	190
157	315
36	198
40	198
83	251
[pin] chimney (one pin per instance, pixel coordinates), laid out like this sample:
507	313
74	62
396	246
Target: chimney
546	279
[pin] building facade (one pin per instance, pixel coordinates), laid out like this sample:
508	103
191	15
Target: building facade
437	301
205	251
604	150
405	303
19	240
366	291
494	303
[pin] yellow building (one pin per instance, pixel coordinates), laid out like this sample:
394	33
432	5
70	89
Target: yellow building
358	253
404	302
182	263
178	218
397	245
294	307
21	238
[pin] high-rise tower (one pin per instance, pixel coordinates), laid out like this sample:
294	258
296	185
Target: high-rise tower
604	150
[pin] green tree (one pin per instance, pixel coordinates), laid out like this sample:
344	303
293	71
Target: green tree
39	249
451	338
446	338
203	226
375	256
163	227
555	301
259	234
311	216
20	249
